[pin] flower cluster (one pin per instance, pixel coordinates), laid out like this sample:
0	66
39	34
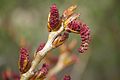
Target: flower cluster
64	60
25	63
59	28
71	24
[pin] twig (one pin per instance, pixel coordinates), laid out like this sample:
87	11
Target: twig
41	54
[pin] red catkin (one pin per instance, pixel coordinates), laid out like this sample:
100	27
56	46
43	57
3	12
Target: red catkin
77	26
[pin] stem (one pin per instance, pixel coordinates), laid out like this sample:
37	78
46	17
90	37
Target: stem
41	54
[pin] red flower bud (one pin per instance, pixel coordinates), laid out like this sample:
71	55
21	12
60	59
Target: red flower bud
24	61
74	26
8	75
67	77
53	19
60	39
41	46
41	74
44	70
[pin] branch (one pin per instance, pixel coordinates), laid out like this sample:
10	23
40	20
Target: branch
41	54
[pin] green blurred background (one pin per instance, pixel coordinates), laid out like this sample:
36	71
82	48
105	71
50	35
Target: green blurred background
26	21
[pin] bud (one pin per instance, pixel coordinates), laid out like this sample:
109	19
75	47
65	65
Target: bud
24	61
41	46
70	19
41	74
53	19
60	40
8	75
76	26
67	77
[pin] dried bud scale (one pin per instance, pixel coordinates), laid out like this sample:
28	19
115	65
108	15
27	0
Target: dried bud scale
68	12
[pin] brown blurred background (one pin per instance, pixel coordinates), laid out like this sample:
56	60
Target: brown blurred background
24	22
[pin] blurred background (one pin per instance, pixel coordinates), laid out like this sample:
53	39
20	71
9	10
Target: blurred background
24	22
